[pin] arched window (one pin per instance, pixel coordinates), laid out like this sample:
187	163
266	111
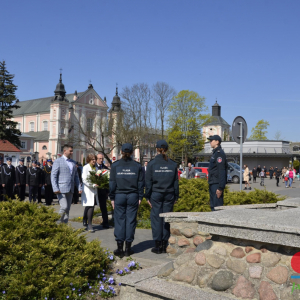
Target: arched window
296	148
45	125
44	147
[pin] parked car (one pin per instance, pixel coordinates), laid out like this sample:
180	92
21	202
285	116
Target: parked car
202	164
200	174
233	172
203	170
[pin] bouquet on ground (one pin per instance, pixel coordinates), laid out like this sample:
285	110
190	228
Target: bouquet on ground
100	177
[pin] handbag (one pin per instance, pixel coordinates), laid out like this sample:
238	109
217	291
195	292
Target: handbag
286	178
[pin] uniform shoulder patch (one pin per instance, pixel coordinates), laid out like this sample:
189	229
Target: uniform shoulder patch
219	159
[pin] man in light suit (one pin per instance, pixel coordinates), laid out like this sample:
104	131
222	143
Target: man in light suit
64	177
190	171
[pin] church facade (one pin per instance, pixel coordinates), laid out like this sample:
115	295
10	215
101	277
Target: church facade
48	123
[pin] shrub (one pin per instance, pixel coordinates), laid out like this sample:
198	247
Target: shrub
39	258
194	197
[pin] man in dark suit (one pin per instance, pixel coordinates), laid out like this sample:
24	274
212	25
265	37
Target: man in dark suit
76	194
102	193
21	179
33	180
8	178
1	187
47	182
41	174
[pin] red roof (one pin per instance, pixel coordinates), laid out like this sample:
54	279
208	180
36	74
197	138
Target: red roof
6	146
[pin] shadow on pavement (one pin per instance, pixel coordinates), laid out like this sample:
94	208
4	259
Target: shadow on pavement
143	246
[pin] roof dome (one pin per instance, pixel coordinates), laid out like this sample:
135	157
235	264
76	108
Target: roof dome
116	103
60	87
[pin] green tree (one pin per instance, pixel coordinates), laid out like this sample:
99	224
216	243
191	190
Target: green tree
8	102
260	130
186	118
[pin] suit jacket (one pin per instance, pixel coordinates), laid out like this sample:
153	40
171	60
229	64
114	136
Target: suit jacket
190	174
21	174
8	175
61	178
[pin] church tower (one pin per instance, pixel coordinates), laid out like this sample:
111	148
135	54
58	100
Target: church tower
216	124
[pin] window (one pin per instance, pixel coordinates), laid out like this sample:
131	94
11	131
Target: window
90	124
23	145
45	123
62	130
31	126
44	147
296	148
19	126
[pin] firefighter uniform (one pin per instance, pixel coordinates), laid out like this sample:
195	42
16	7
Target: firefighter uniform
21	179
8	178
34	180
47	182
217	174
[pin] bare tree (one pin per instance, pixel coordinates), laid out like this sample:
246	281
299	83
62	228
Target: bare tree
277	135
163	94
137	124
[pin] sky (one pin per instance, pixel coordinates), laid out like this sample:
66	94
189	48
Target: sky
244	53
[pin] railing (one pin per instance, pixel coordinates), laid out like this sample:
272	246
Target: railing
253	150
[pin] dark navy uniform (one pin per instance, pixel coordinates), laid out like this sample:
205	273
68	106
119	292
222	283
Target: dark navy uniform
34	181
21	180
217	176
8	178
126	188
47	183
162	190
1	187
41	174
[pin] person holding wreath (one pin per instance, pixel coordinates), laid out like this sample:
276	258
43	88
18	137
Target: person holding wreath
89	192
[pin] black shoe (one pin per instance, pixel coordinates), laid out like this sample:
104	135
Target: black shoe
106	226
249	188
164	246
245	188
119	252
84	223
128	250
157	248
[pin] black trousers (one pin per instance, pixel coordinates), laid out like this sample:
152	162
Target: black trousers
21	191
277	181
75	196
254	179
39	194
33	190
161	203
214	200
126	207
9	191
102	197
48	194
1	192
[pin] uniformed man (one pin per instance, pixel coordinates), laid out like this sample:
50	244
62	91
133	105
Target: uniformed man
21	179
41	174
33	180
8	178
126	189
162	191
217	172
1	187
47	182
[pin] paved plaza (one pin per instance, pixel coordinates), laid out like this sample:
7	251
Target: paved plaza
143	238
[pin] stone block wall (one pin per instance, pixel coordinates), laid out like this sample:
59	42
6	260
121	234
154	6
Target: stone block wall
236	269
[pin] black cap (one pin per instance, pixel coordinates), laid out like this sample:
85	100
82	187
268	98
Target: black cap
8	159
162	144
21	159
127	148
215	138
34	162
38	163
49	160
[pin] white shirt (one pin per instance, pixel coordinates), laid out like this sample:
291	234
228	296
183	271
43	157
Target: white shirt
69	163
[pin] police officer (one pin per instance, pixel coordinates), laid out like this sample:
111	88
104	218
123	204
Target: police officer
217	172
126	189
8	178
41	174
47	182
33	180
162	191
1	187
21	179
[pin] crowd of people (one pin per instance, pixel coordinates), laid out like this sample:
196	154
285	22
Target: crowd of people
287	174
